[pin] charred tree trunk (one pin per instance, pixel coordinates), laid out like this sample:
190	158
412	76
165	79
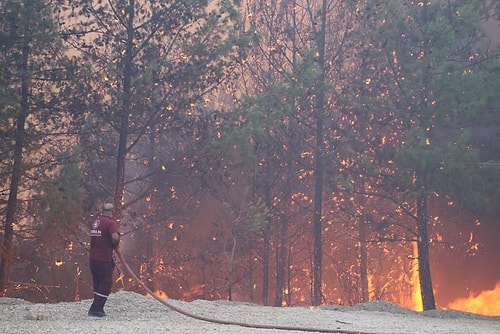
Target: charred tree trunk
424	270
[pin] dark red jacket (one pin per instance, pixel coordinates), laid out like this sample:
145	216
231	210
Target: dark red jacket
101	248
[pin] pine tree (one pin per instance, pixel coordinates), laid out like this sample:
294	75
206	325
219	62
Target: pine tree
33	67
435	63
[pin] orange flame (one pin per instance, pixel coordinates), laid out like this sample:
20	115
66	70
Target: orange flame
414	300
486	302
415	280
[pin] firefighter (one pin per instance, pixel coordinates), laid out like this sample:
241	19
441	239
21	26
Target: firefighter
104	238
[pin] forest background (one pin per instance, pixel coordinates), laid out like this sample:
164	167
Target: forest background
280	152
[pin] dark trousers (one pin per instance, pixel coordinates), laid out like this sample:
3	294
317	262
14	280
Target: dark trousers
102	278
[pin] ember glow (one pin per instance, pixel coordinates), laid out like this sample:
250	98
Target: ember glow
159	293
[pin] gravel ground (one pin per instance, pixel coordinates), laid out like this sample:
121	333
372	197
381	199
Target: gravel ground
129	312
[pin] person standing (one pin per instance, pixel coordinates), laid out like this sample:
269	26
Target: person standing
104	237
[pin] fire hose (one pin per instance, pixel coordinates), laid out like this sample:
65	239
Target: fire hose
225	322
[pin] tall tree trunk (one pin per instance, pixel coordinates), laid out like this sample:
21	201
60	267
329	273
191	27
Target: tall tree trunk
317	219
318	163
289	275
424	269
281	263
17	168
267	249
122	143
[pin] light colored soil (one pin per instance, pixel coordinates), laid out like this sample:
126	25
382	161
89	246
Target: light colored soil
129	312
